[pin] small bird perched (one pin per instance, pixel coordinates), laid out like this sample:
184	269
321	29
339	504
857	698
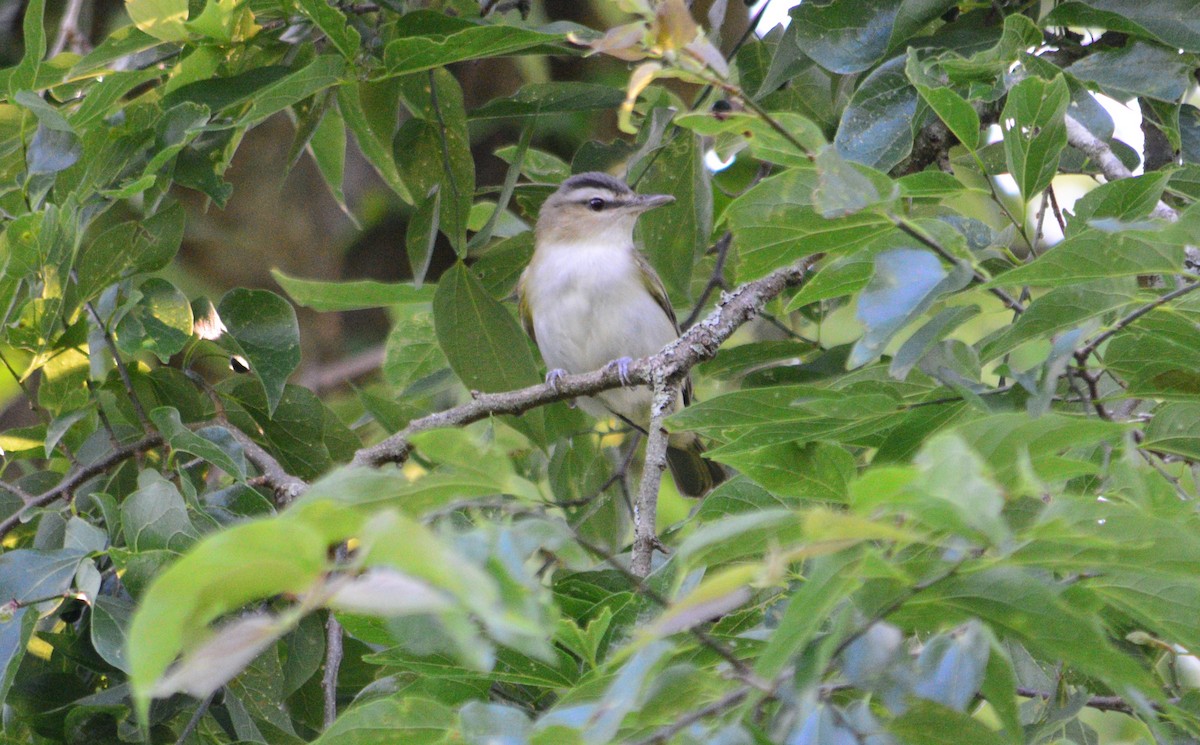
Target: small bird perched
589	298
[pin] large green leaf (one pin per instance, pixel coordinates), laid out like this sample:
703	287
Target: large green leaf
848	36
352	295
775	224
264	329
1094	255
1158	356
1172	22
484	344
1138	70
814	470
877	126
434	149
334	25
673	235
428	39
1035	132
1058	310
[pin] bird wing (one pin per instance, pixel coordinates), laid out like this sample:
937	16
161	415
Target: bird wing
523	311
657	291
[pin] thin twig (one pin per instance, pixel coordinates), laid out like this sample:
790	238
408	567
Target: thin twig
122	370
645	509
905	227
286	486
720	706
67	486
69	32
197	716
333	659
715	280
1086	350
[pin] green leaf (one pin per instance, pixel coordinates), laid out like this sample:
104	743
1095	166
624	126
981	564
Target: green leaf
1094	255
1159	356
924	339
421	234
434	149
156	517
125	249
380	722
55	145
160	321
110	619
876	128
827	582
849	36
353	295
1175	428
328	148
246	562
428	39
906	282
1124	200
484	344
672	235
950	668
1035	132
301	432
774	224
958	115
1034	612
33	31
542	99
166	421
15	633
1137	70
929	723
162	19
411	351
358	104
1004	440
324	71
264	328
1171	22
334	25
1058	310
844	188
815	470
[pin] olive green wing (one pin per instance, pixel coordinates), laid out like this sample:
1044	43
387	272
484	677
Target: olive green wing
523	311
657	291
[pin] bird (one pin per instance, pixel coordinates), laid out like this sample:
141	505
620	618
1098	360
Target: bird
589	299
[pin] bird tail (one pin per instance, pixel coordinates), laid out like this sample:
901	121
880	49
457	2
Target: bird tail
694	474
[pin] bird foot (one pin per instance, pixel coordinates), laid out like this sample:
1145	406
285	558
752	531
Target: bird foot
554	376
622	366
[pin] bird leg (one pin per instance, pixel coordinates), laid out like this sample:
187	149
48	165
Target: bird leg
622	365
553	376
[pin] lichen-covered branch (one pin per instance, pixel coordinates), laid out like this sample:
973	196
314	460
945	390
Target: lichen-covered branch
645	508
697	344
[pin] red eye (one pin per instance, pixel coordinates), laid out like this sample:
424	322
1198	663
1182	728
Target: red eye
595	204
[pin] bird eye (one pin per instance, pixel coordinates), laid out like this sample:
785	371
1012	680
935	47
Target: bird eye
595	204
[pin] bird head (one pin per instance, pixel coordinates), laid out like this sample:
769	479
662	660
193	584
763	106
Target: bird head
594	206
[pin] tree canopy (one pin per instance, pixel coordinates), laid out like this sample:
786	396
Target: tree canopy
962	413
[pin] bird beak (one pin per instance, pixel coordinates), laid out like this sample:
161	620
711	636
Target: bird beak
643	202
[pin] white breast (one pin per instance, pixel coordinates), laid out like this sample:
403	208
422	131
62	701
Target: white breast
589	306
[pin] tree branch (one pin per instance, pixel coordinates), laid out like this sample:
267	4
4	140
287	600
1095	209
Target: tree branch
71	481
1109	164
69	33
645	509
697	344
286	486
1086	350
